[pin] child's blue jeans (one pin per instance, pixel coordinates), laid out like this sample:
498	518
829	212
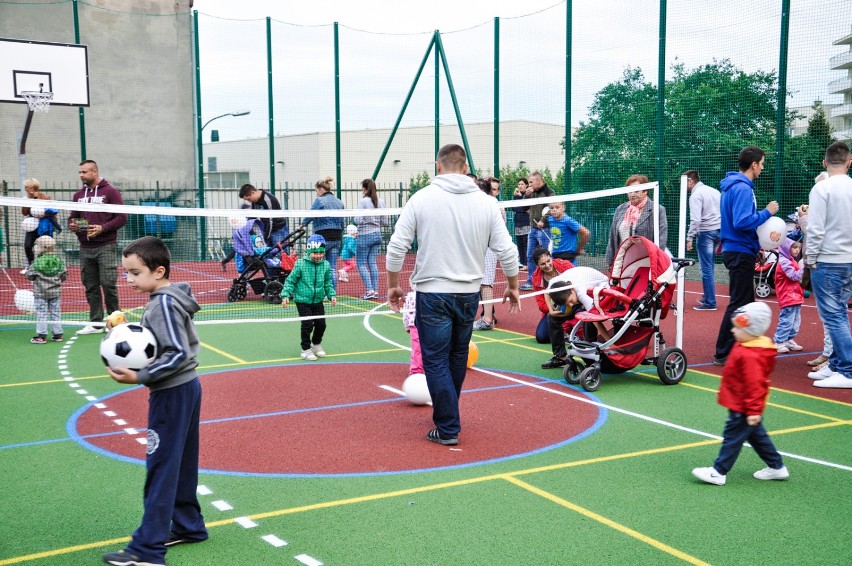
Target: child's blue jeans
788	323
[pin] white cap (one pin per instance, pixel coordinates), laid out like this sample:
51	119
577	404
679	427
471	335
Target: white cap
754	318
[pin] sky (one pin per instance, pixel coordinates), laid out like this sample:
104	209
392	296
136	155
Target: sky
383	41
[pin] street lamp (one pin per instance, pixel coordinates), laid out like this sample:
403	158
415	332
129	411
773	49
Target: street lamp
237	113
202	225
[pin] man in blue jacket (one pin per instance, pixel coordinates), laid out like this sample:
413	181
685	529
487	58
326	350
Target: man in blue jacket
740	244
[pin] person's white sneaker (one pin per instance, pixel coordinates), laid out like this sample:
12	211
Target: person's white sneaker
821	373
342	276
91	329
768	473
308	355
23	271
793	346
710	475
783	349
317	350
835	381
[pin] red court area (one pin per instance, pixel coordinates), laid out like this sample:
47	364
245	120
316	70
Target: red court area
327	418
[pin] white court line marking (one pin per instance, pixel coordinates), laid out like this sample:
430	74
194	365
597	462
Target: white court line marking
62	366
119	422
142	440
131	431
203	490
222	505
308	560
583	399
100	406
274	540
74	384
91	398
392	390
109	413
245	522
68	378
82	392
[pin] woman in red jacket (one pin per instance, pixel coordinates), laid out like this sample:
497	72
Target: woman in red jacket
547	268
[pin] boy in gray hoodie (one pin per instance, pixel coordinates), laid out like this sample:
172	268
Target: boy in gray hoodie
47	273
172	514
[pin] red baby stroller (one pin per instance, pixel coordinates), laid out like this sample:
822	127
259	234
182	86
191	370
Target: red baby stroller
644	280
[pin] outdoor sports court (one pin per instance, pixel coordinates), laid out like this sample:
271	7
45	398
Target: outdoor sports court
326	462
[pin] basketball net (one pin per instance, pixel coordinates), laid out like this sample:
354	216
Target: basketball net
37	101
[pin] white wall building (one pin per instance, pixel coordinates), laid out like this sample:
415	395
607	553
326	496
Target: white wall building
843	112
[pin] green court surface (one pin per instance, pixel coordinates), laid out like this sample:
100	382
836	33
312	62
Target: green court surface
619	493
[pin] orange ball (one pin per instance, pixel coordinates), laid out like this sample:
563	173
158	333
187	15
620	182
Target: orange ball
472	354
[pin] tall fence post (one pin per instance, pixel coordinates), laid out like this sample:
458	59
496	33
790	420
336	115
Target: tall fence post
661	94
337	106
202	221
566	175
780	118
269	102
496	96
80	111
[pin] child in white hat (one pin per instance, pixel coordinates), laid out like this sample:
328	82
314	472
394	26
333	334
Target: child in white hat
348	253
744	390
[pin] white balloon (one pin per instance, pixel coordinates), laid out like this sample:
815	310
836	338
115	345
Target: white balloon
25	301
237	221
29	224
416	390
772	233
37	211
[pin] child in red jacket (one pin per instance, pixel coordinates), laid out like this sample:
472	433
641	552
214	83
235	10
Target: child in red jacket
744	389
791	295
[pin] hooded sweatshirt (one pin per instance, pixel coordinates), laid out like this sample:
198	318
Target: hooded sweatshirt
168	315
788	277
454	223
103	193
310	281
740	217
47	273
745	379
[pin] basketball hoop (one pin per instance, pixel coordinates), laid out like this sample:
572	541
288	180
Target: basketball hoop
37	101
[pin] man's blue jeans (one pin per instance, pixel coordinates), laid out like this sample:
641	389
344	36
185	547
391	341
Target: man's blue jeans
444	323
537	239
832	284
737	431
368	248
706	244
332	251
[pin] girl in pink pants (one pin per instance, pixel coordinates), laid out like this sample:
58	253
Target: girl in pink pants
408	311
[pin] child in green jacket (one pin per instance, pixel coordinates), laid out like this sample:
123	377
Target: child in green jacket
310	282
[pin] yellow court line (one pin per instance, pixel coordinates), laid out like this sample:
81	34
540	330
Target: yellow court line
221	353
608	522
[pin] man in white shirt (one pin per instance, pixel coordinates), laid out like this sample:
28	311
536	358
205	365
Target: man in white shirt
454	223
705	221
829	255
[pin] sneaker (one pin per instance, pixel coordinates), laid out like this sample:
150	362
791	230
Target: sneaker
768	473
374	294
717	361
38	340
342	276
317	350
367	296
124	558
822	373
526	287
555	362
835	381
435	435
710	475
93	328
308	355
175	540
818	361
482	324
703	307
791	344
822	365
56	338
783	348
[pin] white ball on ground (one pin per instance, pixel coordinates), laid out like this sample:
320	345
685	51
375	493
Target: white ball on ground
772	233
416	390
25	301
29	224
130	346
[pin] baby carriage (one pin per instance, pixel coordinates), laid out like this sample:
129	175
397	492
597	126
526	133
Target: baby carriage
262	268
764	273
645	280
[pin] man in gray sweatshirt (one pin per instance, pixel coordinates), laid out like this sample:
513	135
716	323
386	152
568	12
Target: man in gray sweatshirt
454	223
705	221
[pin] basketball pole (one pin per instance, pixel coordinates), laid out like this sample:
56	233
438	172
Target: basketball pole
22	152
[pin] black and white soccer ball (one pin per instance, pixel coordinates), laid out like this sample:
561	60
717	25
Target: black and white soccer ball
130	346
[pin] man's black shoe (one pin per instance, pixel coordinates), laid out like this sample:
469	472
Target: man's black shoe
435	435
555	362
719	361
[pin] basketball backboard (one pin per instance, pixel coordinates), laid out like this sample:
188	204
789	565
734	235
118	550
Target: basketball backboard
60	68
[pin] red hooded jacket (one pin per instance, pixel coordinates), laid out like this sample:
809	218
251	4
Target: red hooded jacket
745	379
560	265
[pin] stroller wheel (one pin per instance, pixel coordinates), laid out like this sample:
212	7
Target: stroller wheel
571	372
762	289
237	292
671	366
272	292
590	378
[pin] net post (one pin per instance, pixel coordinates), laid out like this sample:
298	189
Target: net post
681	252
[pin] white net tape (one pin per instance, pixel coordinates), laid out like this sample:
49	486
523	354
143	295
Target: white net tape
38	101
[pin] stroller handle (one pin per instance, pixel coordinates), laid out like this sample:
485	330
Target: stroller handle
680	262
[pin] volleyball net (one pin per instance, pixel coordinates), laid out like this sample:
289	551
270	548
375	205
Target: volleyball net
235	275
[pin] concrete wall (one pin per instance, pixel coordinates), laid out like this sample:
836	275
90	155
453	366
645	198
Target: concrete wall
140	124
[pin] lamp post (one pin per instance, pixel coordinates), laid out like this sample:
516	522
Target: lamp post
202	225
